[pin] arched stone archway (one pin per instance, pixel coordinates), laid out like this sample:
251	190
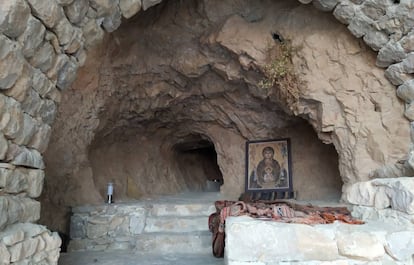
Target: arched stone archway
44	42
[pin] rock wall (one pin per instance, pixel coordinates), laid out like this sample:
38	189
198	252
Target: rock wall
187	99
214	93
43	43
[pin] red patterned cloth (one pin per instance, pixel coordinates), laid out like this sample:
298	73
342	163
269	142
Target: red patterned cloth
279	211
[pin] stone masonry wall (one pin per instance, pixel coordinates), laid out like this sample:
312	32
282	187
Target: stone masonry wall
44	42
146	226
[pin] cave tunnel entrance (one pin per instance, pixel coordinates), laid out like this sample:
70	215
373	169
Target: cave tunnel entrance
144	119
197	160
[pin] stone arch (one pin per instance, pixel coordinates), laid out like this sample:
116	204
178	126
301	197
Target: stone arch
45	42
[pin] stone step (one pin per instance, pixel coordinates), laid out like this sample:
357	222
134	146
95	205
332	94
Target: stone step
191	242
179	223
188	209
175	224
134	258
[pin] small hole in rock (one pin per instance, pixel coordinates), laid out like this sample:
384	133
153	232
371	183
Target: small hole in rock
277	36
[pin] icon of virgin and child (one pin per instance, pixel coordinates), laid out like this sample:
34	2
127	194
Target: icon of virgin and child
268	173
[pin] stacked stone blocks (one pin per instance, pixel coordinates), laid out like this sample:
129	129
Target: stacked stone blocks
29	244
143	227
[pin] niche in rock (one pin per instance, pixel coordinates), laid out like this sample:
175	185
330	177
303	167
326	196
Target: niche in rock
149	164
169	99
197	161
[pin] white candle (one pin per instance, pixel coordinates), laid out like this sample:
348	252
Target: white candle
110	188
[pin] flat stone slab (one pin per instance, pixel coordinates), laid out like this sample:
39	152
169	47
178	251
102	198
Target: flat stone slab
174	243
193	209
176	224
132	258
257	242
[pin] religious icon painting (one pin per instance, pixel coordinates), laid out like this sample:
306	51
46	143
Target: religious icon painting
268	166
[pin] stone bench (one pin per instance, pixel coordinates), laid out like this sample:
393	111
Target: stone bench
256	242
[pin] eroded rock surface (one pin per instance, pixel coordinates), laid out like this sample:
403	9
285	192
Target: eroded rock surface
168	76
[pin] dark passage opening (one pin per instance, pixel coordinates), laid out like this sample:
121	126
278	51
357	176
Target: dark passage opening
197	161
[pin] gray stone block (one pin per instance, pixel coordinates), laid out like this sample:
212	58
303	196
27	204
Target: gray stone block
391	53
174	243
4	254
93	33
64	31
396	75
191	209
49	12
32	104
32	37
400	245
35	179
406	91
41	84
250	240
43	58
29	128
12	235
75	43
76	11
3	146
28	157
409	111
376	39
16	182
407	42
373	9
149	3
97	230
77	227
113	21
13	17
175	224
325	5
129	7
20	89
408	63
11	62
67	73
18	209
4	204
47	111
52	240
41	138
137	223
344	12
360	245
359	26
104	7
12	118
